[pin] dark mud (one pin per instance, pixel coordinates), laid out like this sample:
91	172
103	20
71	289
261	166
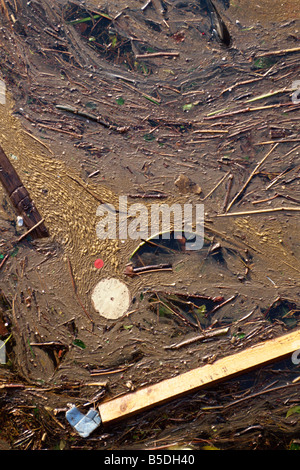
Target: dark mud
195	108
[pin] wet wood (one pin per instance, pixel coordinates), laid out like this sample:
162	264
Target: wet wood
20	198
188	382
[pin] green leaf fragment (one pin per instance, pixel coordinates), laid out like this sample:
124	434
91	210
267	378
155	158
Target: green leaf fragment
187	107
79	343
263	62
293	410
89	18
200	311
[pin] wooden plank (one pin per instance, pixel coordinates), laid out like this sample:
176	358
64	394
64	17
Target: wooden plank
20	197
224	368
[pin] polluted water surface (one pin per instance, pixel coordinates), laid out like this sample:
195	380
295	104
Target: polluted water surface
108	114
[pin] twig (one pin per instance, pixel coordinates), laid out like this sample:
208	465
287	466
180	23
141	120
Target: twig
277	141
157	54
238	195
228	192
210	131
274	181
38	140
246	82
3	261
246	316
217	307
279	52
255	395
131	271
291	266
216	186
262	211
286	196
178	314
95	173
267	95
143	8
148	196
50	128
246	110
24	235
91	117
75	292
145	95
265	200
202	336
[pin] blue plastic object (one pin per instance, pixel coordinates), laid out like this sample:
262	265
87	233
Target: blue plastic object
83	424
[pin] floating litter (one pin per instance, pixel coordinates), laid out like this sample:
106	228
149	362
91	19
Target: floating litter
111	298
84	424
20	221
2	92
2	353
99	263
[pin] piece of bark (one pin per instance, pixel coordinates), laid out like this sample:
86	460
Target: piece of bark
20	197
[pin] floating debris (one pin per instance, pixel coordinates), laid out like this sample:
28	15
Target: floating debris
83	424
194	310
2	92
218	25
283	310
111	298
2	352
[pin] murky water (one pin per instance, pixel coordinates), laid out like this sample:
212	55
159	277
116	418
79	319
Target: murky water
188	116
267	12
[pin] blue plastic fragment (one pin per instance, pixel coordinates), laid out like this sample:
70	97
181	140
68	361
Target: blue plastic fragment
83	424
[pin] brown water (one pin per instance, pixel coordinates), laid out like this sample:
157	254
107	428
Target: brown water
266	12
166	103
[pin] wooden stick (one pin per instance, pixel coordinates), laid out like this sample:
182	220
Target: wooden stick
20	197
207	375
250	178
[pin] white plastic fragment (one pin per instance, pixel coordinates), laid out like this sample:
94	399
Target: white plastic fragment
2	353
111	298
2	92
83	424
20	221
